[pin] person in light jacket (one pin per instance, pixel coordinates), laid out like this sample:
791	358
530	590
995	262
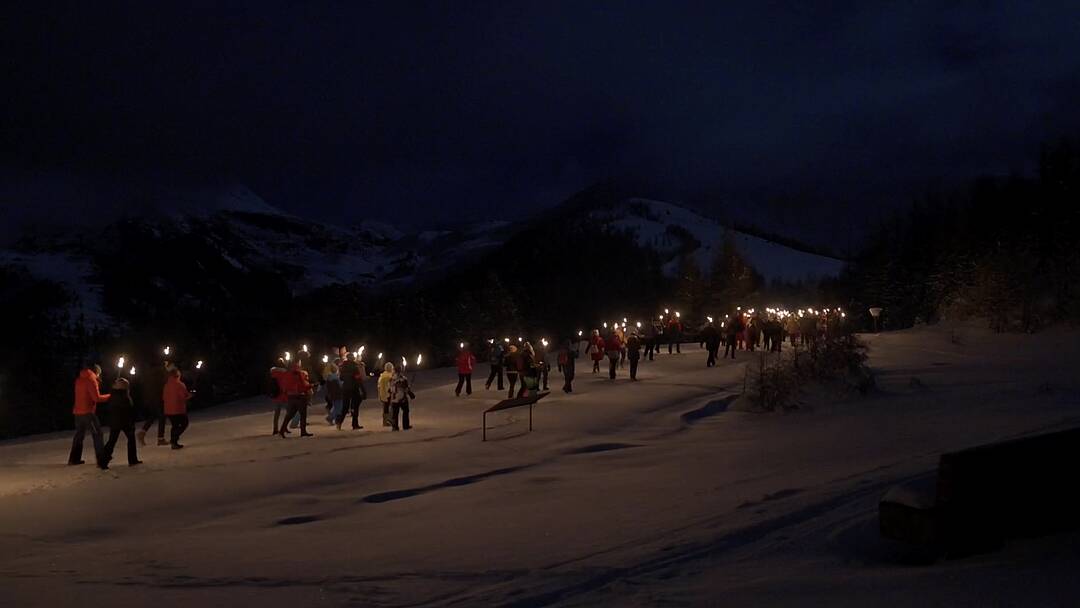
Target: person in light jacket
384	391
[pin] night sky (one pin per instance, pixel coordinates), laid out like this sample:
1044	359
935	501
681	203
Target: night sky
440	112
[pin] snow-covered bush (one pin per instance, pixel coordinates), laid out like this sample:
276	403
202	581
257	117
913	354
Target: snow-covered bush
835	361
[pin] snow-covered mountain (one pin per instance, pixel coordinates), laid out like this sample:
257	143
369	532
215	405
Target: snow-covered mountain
201	245
673	230
224	237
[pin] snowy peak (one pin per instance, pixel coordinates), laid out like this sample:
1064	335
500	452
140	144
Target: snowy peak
674	231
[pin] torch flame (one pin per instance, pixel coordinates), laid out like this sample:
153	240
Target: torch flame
120	363
198	365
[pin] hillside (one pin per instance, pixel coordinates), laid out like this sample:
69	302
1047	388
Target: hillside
201	246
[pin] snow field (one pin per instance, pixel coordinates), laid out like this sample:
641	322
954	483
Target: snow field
614	499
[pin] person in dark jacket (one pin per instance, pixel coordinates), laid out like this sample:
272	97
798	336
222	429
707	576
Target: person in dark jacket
155	407
495	358
753	333
122	420
400	394
567	356
733	326
646	339
542	365
711	337
87	396
281	400
352	385
633	353
774	335
530	371
513	365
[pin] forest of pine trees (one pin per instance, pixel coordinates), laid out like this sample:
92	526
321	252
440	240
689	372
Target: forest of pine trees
1004	250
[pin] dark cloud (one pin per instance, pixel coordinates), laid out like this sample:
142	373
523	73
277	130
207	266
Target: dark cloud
451	111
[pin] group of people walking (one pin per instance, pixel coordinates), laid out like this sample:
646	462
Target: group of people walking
168	401
344	386
343	380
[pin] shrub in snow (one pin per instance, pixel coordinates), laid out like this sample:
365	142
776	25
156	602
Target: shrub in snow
836	361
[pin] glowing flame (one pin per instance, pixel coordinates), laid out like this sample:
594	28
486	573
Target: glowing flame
166	350
132	370
709	318
326	358
120	363
198	365
288	356
380	356
579	333
304	348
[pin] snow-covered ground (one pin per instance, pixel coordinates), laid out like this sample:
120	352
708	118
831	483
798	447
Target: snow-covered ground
625	494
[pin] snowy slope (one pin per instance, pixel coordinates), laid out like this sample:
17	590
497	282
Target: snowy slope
624	494
234	234
651	220
241	234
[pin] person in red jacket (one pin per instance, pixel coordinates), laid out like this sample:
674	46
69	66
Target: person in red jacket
613	347
466	361
175	396
674	335
298	389
596	346
87	396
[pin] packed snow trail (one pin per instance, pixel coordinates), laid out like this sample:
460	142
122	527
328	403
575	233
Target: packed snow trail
628	494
